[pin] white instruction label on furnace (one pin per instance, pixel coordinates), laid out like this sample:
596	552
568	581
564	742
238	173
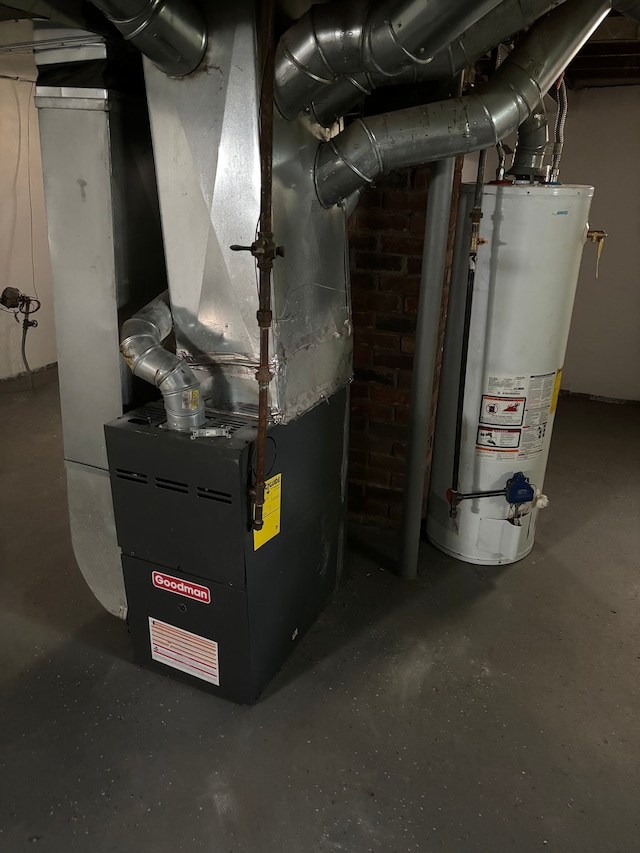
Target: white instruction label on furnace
180	649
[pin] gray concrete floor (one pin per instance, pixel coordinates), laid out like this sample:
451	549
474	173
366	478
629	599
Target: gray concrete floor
472	710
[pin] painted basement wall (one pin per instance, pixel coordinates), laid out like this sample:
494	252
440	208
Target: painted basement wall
23	223
602	140
601	148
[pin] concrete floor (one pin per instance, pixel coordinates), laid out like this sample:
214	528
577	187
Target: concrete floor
473	710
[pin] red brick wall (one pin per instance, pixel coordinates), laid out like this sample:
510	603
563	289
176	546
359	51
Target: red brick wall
386	239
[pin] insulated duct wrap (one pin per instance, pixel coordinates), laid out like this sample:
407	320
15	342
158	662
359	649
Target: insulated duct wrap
372	146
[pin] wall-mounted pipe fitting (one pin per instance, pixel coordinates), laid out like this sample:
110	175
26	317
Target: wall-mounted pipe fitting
141	346
350	38
372	146
533	140
171	33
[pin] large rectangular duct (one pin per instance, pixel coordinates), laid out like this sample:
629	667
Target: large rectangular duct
205	133
106	261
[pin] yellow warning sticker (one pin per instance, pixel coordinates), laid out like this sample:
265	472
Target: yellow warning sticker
270	512
556	392
191	399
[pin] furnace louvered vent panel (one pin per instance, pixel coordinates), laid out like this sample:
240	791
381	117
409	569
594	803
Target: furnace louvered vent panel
132	476
172	485
249	410
213	495
223	422
175	486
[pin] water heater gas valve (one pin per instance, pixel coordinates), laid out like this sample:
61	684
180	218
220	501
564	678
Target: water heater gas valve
519	490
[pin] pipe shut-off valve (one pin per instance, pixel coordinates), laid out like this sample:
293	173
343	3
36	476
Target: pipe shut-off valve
597	236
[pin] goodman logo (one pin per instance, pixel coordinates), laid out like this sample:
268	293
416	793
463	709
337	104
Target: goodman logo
180	587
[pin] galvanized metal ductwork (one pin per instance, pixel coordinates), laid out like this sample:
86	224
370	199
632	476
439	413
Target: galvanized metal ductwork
453	54
383	39
171	33
141	345
372	146
533	138
498	26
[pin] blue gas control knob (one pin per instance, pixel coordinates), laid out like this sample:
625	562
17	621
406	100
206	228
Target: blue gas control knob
519	490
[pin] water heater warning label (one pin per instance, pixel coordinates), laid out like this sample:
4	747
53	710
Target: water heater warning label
182	650
525	402
502	411
494	437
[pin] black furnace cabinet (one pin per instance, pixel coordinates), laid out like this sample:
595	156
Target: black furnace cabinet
208	601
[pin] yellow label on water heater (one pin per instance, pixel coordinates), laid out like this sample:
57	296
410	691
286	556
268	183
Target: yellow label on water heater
270	512
556	392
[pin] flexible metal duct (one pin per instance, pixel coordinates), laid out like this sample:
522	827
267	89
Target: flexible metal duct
141	346
369	147
171	33
495	27
533	138
336	39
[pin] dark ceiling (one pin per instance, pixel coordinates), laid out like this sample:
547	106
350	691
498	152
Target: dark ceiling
611	57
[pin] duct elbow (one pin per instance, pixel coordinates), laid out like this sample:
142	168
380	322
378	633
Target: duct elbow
141	347
354	40
172	34
367	148
315	51
532	146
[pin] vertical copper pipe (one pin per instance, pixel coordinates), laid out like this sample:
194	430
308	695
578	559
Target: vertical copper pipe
264	252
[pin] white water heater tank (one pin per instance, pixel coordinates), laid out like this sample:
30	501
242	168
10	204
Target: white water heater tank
526	274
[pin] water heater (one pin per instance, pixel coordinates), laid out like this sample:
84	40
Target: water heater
531	241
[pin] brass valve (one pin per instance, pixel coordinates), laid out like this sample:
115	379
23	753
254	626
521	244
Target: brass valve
596	236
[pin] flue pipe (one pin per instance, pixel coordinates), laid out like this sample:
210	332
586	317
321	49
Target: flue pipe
497	26
347	38
533	139
431	281
141	346
171	33
372	146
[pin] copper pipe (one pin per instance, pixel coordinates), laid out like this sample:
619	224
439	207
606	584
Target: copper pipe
264	251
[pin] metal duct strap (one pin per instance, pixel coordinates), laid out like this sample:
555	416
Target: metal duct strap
371	146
